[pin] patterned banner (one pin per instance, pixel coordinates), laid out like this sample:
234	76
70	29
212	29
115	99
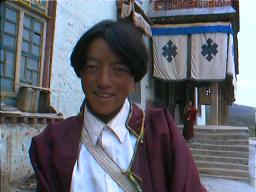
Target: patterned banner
209	56
199	51
170	57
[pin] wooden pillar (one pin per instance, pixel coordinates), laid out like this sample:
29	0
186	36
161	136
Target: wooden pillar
171	98
214	117
223	110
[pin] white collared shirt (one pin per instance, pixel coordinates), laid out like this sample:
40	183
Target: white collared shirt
116	141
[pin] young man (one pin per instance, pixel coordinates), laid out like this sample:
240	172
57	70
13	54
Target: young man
145	153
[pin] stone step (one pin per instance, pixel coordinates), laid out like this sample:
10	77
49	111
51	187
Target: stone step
220	142
219	153
243	179
221	136
218	129
221	130
242	148
224	172
221	165
237	160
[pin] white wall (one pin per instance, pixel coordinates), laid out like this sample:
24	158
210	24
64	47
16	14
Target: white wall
201	119
252	161
147	83
14	159
73	18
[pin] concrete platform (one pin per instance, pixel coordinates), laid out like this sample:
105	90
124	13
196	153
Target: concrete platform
210	183
224	185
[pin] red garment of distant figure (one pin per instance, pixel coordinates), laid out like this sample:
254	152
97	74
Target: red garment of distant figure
189	121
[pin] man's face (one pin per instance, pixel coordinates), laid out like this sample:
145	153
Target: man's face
106	80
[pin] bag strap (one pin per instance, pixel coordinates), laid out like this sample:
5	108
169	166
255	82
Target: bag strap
107	163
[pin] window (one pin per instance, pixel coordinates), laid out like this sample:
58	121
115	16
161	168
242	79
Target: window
9	32
23	40
30	51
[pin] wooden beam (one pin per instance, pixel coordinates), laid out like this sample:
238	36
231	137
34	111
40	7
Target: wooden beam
214	104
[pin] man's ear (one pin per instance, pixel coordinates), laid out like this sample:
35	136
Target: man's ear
133	89
133	86
82	85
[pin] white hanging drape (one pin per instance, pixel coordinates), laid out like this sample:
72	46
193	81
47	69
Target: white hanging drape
209	56
170	57
199	51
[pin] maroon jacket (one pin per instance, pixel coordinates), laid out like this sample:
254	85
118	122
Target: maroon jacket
162	160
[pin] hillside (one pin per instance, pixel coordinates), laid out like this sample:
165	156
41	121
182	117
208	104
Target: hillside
241	115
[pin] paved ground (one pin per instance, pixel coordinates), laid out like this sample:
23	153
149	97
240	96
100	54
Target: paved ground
224	185
211	184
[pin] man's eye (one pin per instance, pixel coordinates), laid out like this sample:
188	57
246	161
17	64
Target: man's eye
91	68
121	70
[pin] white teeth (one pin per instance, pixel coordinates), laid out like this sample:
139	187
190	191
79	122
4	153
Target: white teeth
104	94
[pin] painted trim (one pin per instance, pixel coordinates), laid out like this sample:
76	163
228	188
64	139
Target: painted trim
139	140
34	10
191	30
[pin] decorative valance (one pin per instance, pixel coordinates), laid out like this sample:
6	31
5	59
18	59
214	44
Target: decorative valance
199	51
138	17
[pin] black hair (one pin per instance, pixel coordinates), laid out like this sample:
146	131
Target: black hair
123	38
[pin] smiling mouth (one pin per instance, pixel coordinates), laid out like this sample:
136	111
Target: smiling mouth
103	94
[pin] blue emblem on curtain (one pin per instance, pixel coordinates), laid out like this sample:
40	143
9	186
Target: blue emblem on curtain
209	49
169	51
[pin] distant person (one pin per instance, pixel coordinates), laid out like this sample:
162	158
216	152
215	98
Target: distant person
112	145
189	121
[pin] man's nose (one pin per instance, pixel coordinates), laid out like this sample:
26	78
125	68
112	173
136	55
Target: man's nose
105	78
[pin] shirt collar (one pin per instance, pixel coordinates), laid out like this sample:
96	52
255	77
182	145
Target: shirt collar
117	124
